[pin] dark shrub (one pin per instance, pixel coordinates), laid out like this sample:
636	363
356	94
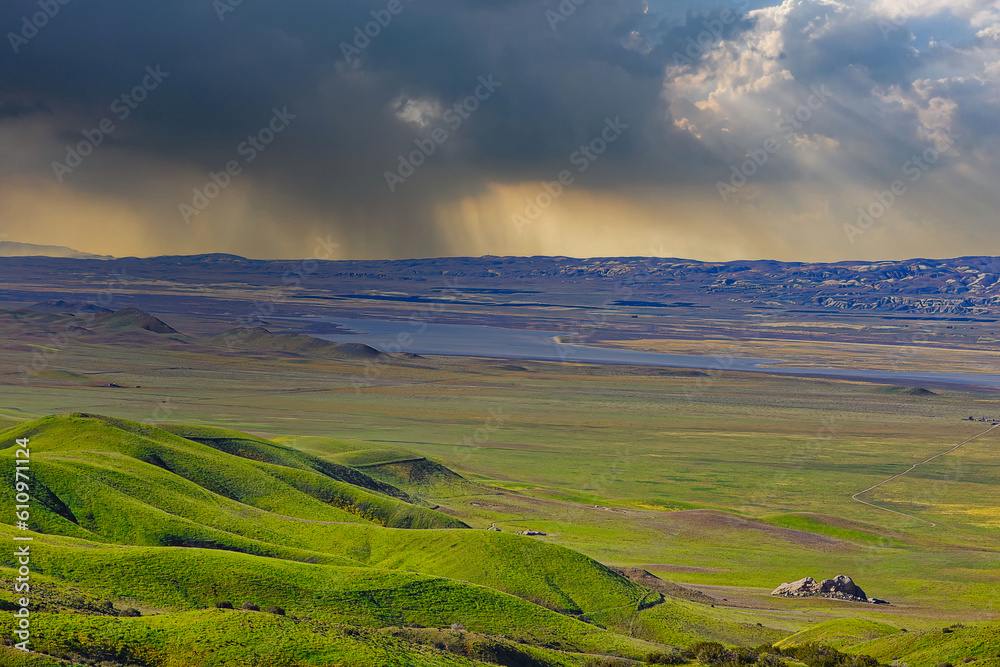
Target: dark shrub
275	609
744	655
816	655
711	653
223	604
672	658
770	660
608	662
131	612
250	606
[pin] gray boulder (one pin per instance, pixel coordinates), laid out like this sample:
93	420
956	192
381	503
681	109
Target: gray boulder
802	587
842	586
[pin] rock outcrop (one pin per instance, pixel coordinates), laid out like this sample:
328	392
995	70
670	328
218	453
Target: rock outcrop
841	587
801	588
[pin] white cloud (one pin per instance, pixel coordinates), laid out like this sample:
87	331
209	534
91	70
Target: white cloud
419	112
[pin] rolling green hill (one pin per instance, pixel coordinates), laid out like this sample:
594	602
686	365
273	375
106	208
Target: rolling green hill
840	633
416	474
218	638
188	492
954	645
160	580
258	449
116	502
116	481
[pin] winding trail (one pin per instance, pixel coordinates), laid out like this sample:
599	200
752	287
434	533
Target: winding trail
936	456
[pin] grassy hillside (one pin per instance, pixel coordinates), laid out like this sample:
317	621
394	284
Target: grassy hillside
118	481
186	491
953	644
840	633
10	657
221	638
418	475
258	449
113	499
163	580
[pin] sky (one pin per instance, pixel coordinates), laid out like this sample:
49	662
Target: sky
806	130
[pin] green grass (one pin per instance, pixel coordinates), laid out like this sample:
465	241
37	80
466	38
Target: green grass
222	638
99	482
820	524
420	477
195	490
683	623
61	375
375	457
840	633
144	492
168	580
11	657
932	647
98	479
261	450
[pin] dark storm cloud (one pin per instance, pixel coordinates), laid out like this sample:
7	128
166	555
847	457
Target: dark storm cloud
225	76
14	108
230	65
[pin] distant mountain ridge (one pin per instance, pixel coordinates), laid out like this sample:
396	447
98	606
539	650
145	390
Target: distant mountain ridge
14	249
964	286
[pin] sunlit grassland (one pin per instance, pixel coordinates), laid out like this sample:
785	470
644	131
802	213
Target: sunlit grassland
786	452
